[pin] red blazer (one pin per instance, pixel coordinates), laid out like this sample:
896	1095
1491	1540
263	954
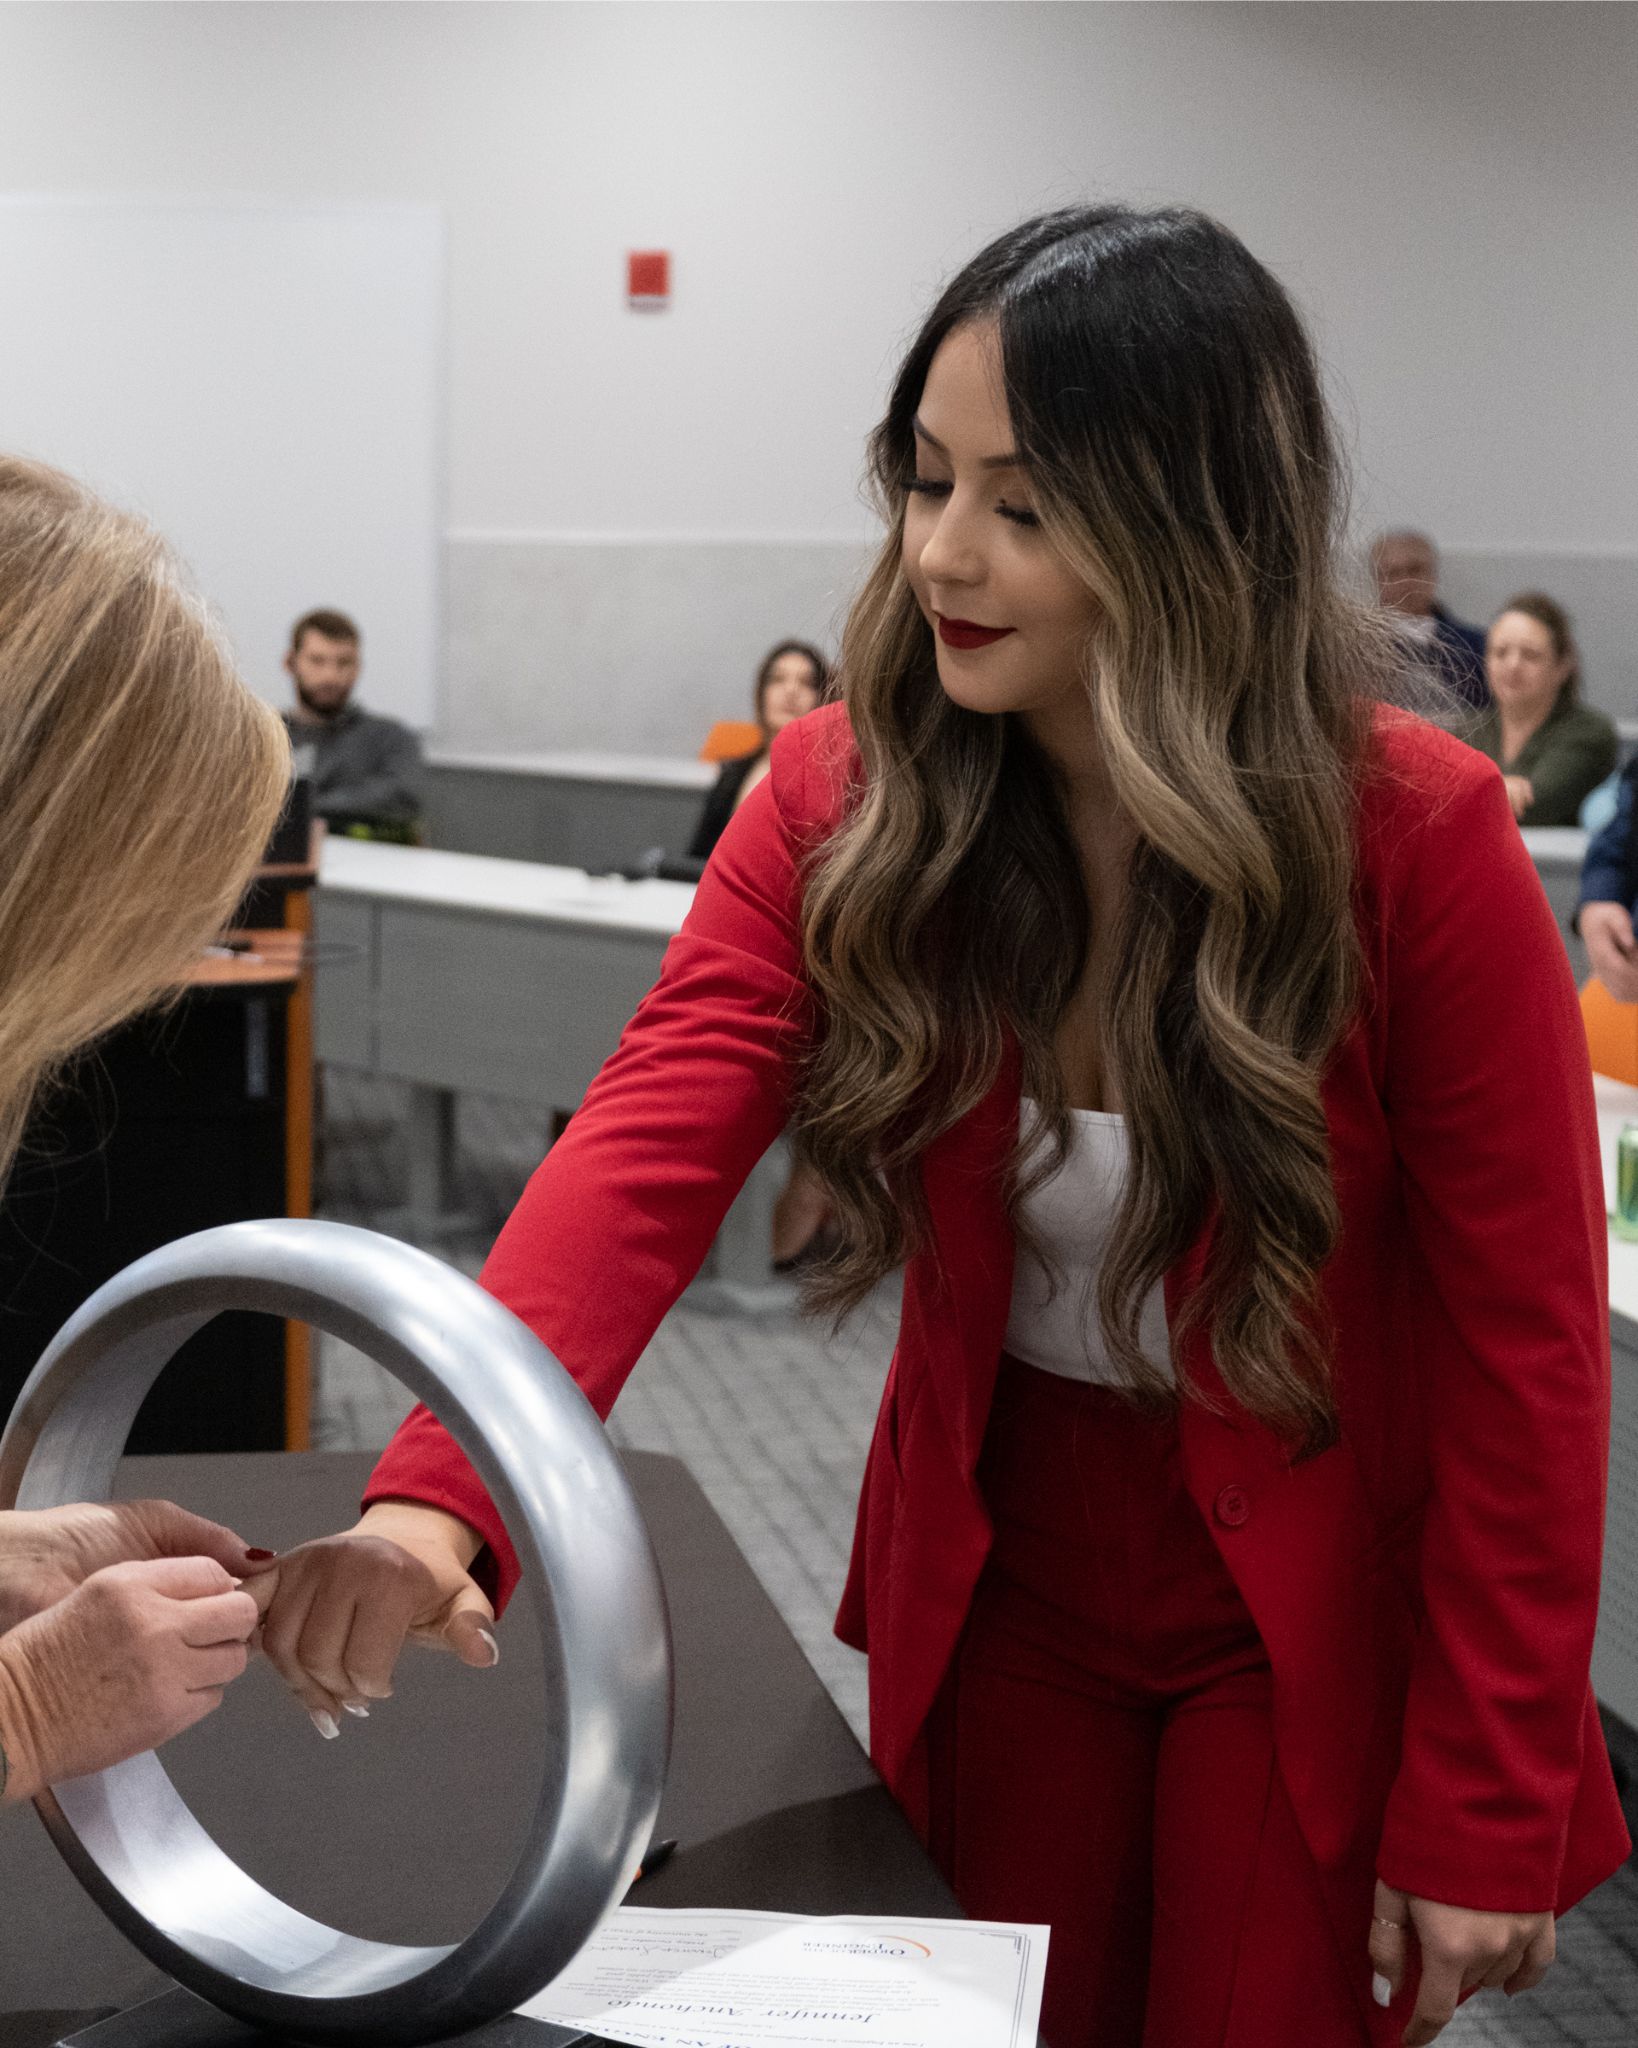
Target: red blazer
1428	1588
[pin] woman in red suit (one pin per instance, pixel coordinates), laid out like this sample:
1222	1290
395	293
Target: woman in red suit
1191	1024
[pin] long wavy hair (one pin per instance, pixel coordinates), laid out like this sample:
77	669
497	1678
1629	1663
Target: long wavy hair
139	778
1167	407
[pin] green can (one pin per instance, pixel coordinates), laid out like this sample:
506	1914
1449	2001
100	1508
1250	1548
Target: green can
1626	1182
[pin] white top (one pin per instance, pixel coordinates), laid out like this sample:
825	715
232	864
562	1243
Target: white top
482	885
1054	1321
1075	1210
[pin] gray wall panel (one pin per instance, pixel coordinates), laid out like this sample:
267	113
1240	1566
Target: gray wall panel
502	1006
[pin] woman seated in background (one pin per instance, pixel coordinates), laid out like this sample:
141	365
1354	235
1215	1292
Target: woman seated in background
791	681
139	782
1552	749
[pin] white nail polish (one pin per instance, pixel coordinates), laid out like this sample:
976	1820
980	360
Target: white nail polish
357	1709
494	1647
326	1724
1381	1989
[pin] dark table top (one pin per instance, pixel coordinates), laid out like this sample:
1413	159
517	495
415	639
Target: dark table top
404	1829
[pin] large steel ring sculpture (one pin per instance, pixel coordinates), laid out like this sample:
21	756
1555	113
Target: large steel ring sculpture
588	1570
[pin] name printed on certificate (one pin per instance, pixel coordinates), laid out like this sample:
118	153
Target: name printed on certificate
698	1979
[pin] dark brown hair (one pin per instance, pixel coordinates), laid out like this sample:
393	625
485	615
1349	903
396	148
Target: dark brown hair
1167	406
333	625
808	652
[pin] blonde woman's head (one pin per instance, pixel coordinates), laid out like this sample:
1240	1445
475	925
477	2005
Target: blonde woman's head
139	778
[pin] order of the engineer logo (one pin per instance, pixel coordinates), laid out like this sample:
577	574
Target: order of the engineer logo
884	1948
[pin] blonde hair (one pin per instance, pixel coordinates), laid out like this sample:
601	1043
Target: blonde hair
139	778
1167	408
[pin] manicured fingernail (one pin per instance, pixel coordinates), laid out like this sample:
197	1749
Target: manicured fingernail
1381	1989
356	1708
326	1724
261	1556
494	1647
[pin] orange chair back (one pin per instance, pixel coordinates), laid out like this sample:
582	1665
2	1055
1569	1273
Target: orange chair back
731	739
1612	1033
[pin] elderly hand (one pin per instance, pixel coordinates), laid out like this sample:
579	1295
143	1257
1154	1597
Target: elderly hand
129	1658
1461	1950
336	1612
1606	931
46	1552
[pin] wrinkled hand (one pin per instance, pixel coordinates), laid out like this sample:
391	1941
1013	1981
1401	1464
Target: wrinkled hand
46	1552
1460	1950
1606	931
336	1612
129	1658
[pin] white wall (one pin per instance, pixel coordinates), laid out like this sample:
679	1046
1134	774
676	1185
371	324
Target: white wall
163	352
1447	187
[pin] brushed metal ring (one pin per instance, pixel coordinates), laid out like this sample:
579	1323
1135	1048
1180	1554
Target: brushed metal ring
589	1572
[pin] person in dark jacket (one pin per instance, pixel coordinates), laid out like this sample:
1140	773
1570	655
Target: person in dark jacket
1609	894
365	770
1406	568
791	680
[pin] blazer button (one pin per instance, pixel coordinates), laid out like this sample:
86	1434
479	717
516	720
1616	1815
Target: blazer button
1232	1507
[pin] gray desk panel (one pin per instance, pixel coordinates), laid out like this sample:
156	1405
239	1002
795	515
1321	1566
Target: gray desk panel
344	930
1563	887
504	1006
562	820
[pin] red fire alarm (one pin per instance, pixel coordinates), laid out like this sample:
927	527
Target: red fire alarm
648	279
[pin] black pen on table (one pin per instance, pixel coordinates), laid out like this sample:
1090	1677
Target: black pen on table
655	1857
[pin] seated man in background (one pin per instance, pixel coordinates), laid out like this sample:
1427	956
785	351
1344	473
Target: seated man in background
1406	568
365	770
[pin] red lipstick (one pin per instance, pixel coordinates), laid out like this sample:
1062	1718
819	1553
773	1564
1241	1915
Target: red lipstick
963	633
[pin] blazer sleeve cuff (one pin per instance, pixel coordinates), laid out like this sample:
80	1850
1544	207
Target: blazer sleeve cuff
1513	1873
424	1463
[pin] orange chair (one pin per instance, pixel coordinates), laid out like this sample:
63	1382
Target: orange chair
731	739
1612	1033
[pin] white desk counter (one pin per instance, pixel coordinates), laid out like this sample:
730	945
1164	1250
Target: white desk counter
644	771
484	886
455	971
1556	848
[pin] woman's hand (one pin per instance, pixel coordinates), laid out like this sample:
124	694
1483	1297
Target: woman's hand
1606	931
46	1552
336	1612
1461	1950
1519	793
129	1658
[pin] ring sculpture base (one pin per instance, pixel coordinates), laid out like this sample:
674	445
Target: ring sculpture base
253	1970
176	2019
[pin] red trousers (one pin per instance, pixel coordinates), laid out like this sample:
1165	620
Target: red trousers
1102	1753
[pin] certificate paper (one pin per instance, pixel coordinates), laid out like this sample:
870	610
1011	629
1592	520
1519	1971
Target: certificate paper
697	1979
